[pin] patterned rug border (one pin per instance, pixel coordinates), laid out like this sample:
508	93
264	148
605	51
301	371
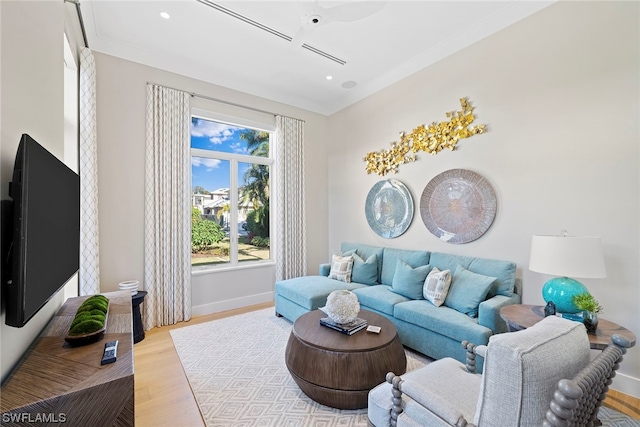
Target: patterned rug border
245	382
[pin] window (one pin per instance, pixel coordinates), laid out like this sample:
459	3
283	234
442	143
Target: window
230	180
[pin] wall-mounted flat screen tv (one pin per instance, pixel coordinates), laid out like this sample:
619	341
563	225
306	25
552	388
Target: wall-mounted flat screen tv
45	249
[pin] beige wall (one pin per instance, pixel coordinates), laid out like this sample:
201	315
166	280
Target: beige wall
121	109
32	88
559	94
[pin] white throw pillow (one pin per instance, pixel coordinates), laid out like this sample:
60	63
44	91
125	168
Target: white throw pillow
436	286
341	267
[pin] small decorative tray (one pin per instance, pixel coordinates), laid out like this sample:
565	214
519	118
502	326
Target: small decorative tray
91	337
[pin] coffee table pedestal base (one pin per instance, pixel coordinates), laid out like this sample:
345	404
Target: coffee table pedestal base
342	379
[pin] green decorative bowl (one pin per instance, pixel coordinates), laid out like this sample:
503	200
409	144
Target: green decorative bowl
90	322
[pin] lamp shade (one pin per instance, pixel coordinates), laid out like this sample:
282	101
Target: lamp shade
568	256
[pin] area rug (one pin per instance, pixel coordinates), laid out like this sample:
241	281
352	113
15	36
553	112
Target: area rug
236	369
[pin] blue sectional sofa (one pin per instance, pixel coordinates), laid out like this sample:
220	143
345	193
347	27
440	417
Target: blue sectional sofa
377	281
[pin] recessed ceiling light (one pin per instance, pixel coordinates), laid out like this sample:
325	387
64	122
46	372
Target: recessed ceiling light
349	84
329	77
165	15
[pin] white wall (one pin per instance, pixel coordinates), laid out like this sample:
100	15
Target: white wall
121	112
559	94
32	102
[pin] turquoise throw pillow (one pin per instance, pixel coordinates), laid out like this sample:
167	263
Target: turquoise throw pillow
409	281
365	271
467	291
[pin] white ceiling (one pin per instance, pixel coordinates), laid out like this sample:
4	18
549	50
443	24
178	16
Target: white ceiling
396	39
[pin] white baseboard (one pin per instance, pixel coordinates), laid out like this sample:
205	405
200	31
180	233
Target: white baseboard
626	384
218	306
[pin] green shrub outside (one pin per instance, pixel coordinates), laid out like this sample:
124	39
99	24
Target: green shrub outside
258	221
259	241
204	233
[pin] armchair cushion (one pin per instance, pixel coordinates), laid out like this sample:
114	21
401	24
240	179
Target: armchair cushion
431	396
445	388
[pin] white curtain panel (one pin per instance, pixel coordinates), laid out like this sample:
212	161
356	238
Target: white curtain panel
167	237
291	249
89	277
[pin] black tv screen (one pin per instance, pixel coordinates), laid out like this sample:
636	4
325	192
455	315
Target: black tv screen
45	249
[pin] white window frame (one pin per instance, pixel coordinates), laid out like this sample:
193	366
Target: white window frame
234	159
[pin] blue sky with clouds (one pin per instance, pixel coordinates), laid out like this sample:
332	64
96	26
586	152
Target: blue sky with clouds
212	174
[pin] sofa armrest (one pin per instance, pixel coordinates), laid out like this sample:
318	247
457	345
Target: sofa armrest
324	269
489	312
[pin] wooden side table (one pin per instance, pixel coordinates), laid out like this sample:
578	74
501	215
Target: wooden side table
522	316
138	328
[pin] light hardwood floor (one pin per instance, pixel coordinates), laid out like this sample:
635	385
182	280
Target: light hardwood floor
164	398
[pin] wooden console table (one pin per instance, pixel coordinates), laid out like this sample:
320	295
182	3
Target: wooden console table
522	316
58	384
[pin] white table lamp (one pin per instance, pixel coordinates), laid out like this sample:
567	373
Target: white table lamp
565	256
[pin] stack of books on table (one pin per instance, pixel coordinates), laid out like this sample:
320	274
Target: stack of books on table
346	328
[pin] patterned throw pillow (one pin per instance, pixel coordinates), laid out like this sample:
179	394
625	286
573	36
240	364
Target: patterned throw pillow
436	286
341	267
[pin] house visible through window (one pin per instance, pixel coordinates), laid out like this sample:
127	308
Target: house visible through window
230	169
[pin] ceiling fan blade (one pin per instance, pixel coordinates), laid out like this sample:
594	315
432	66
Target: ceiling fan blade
314	16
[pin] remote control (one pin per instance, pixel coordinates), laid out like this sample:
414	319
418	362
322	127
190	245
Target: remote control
110	351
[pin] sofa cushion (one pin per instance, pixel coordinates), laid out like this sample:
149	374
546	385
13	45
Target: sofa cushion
364	271
364	252
311	292
436	286
390	258
409	281
442	320
341	267
503	271
379	298
467	291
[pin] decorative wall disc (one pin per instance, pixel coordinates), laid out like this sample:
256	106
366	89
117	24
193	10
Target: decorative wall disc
458	206
389	208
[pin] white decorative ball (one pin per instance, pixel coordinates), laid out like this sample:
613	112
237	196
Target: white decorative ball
342	306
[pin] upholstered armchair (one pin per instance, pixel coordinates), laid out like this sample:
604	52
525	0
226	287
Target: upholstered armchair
538	376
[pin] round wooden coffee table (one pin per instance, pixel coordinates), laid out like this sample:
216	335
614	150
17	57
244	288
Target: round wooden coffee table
339	370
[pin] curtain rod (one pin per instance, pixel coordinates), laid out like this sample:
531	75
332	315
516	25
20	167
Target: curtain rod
84	32
222	101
